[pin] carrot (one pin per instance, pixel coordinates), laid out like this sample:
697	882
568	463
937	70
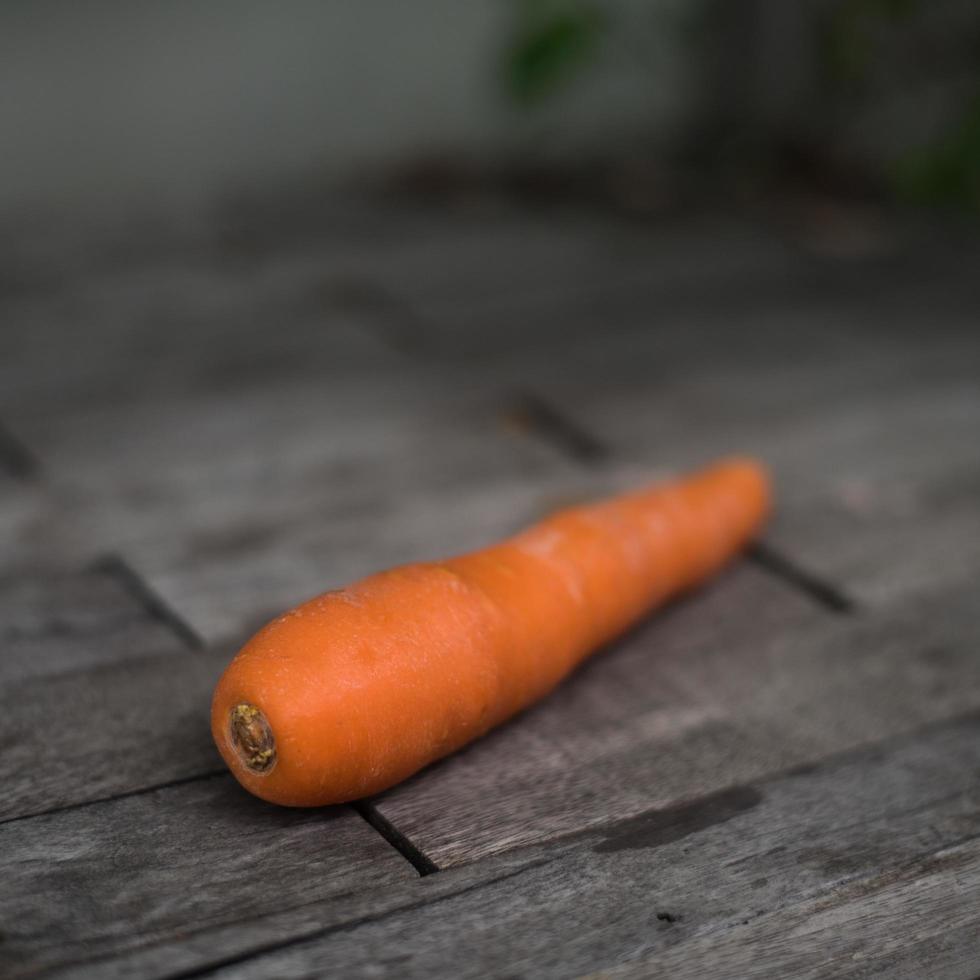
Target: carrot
355	690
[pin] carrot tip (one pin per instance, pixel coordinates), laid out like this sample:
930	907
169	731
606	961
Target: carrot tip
252	738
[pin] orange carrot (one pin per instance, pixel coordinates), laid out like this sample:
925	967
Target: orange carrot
355	690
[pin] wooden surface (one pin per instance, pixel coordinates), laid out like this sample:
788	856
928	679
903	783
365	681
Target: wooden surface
777	776
89	673
776	878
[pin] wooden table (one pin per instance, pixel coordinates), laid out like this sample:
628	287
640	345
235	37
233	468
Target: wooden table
778	776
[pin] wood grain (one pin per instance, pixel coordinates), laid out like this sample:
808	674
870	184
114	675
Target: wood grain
872	446
833	936
98	696
112	835
249	433
285	402
126	873
741	680
856	380
571	279
240	467
814	871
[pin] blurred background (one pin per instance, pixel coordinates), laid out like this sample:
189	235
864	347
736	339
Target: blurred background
275	275
118	106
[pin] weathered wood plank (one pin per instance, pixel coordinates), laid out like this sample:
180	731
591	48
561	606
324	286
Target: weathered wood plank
771	872
510	289
102	701
247	549
154	335
744	679
126	873
872	444
98	696
641	725
205	948
241	467
23	514
913	920
244	467
496	302
288	489
236	523
68	623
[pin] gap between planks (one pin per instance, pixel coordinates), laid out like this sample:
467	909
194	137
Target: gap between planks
534	415
382	310
537	416
16	458
142	592
879	749
422	863
281	944
778	565
531	413
140	791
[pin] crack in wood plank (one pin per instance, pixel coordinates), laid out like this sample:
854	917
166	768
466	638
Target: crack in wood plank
529	412
388	317
113	797
824	593
365	920
137	587
16	458
422	863
563	895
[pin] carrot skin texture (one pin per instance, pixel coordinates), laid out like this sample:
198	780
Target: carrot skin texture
364	686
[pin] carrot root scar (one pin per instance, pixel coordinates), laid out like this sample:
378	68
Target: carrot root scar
252	738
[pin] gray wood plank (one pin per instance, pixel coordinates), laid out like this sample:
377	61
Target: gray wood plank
24	512
67	623
98	696
915	920
123	874
242	467
101	702
251	466
155	334
288	304
235	525
872	441
235	505
856	380
743	679
771	872
510	289
645	278
198	950
231	546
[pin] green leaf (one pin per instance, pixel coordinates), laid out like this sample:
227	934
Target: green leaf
847	37
947	172
552	46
